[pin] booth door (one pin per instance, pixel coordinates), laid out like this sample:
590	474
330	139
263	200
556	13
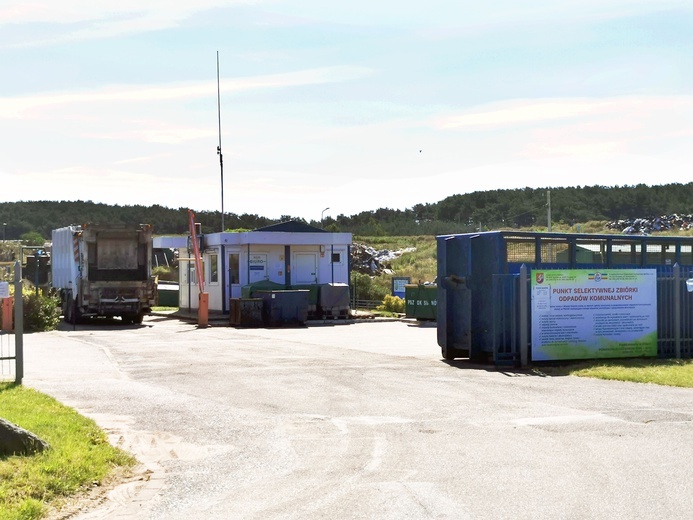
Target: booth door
234	279
304	269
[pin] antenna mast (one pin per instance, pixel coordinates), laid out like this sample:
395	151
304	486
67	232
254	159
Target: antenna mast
221	157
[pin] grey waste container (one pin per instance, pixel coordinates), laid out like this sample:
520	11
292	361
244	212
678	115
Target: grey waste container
289	307
246	312
333	300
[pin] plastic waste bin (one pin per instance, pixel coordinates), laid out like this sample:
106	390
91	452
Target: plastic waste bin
288	307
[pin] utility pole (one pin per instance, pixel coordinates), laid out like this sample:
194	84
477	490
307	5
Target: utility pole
548	205
221	157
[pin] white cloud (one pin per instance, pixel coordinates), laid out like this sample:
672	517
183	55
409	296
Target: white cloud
87	19
34	105
156	132
533	111
73	11
464	13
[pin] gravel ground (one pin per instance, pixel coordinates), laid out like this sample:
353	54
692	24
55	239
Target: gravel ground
359	420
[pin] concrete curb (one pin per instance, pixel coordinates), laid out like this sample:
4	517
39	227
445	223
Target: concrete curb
222	320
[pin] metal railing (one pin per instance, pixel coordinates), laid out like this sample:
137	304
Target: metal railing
365	304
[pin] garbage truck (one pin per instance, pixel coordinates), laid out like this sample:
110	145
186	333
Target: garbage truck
103	270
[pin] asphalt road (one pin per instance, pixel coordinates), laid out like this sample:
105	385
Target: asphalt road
361	421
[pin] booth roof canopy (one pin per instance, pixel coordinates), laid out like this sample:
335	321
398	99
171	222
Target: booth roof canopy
292	226
286	233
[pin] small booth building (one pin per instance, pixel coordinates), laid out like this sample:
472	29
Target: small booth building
285	256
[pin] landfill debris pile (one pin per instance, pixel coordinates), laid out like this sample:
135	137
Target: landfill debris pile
368	260
649	225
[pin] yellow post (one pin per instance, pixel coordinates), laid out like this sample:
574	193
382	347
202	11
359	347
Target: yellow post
203	310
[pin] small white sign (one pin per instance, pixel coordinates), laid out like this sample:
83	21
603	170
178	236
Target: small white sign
4	290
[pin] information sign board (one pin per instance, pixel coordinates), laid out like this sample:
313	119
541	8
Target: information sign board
587	314
398	283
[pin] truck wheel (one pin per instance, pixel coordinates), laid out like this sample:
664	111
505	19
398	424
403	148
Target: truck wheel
67	311
449	353
70	311
137	318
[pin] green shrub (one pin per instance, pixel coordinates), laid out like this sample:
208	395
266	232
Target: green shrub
165	273
366	289
32	238
392	304
41	311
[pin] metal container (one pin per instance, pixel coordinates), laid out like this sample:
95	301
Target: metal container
246	312
312	297
168	295
248	290
421	301
333	300
289	307
481	298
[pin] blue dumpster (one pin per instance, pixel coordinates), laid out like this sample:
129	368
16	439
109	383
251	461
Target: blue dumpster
479	292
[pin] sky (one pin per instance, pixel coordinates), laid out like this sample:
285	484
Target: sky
333	108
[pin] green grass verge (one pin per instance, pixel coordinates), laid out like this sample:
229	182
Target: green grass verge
669	372
79	457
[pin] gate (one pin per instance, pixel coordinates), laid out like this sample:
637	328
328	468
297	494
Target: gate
507	323
674	308
12	343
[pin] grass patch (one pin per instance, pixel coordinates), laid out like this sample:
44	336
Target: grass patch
79	457
669	372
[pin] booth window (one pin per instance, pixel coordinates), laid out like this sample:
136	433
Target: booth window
213	269
336	258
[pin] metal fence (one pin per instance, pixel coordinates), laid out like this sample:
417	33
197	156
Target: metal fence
512	324
12	341
365	304
8	357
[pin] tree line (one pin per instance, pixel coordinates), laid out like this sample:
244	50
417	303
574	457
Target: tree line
460	213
